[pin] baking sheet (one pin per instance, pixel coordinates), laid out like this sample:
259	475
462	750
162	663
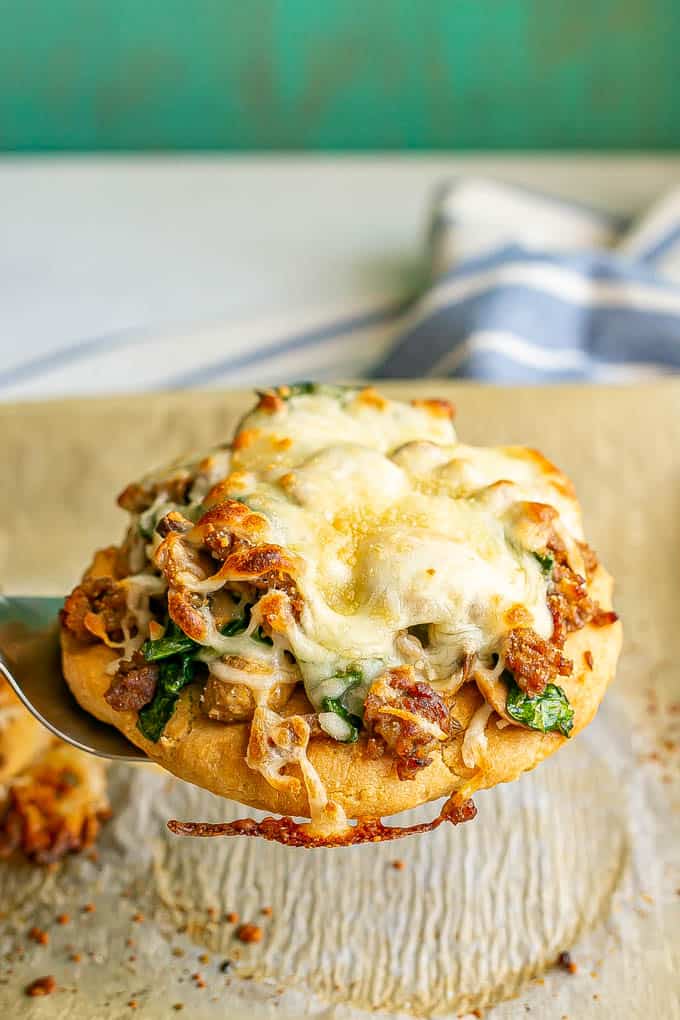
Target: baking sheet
583	854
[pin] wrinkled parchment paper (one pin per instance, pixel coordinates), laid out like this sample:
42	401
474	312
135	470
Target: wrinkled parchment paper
581	855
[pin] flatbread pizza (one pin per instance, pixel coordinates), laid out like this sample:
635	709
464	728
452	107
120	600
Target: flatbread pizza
343	613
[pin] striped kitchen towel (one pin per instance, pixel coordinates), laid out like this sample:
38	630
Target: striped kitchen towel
521	288
526	288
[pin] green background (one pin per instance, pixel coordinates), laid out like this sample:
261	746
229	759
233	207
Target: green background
327	74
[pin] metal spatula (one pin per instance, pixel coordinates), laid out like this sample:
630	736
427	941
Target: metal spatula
29	658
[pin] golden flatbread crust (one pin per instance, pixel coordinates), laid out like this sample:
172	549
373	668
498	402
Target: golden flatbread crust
212	754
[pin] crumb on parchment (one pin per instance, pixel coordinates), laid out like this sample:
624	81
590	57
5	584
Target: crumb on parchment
249	933
565	961
41	986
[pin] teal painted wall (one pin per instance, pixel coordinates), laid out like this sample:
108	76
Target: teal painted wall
328	74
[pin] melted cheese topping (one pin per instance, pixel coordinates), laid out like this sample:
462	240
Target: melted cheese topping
396	525
275	744
475	744
407	548
267	665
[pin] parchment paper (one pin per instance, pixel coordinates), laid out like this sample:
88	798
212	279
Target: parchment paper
583	854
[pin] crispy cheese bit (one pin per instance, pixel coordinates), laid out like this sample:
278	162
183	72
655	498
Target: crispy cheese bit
437	407
281	442
245	438
532	523
371	398
604	618
291	833
276	743
156	630
226	521
270	402
540	463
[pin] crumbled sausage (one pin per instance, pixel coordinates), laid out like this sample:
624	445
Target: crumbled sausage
569	603
134	684
604	617
138	497
100	596
234	702
173	521
408	717
590	559
533	661
536	662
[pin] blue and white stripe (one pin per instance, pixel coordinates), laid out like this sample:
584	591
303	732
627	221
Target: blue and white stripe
522	288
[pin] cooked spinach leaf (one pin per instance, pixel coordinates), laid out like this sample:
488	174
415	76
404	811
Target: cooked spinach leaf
173	675
306	388
548	712
353	721
352	674
300	389
259	635
173	642
237	625
547	562
241	623
149	519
